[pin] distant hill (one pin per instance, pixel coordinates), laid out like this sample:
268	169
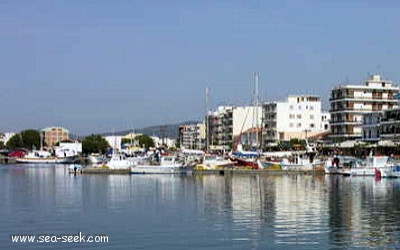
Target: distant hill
167	130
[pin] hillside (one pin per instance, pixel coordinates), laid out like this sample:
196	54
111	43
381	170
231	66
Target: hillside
167	130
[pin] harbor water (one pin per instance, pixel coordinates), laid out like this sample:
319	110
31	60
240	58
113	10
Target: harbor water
244	211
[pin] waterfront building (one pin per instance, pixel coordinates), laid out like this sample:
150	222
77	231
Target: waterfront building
348	104
300	116
371	126
53	135
228	122
390	125
115	141
167	142
192	136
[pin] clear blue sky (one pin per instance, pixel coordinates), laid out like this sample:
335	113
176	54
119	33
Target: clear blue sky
101	66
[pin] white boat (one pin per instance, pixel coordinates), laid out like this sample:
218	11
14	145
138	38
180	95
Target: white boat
339	164
390	171
214	161
167	165
370	166
119	161
303	162
44	157
97	159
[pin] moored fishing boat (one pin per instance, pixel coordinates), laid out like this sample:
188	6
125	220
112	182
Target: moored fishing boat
167	165
214	162
119	162
96	159
370	166
389	171
339	164
245	159
44	157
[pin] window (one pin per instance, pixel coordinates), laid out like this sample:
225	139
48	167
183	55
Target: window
312	125
311	107
291	106
291	125
298	116
299	125
291	116
312	117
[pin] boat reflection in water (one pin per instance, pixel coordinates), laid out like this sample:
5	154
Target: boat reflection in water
202	211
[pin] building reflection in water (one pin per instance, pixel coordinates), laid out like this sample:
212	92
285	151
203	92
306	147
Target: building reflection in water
289	210
364	211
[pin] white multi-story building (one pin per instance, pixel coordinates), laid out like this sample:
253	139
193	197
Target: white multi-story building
168	142
299	117
192	136
350	102
372	126
227	123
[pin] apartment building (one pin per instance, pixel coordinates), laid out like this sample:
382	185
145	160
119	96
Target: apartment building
372	126
300	116
389	125
348	104
227	123
192	136
52	135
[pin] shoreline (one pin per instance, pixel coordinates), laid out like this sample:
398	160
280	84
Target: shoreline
204	172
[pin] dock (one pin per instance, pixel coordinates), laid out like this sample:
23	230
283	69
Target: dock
253	171
99	170
7	160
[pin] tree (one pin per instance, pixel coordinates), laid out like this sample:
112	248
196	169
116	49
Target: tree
31	139
26	139
1	144
145	141
94	144
14	142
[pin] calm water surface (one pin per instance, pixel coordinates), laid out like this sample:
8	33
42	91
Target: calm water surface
199	212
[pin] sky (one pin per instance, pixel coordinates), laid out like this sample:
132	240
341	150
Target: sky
103	66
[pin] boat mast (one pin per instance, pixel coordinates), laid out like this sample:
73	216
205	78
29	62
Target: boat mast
207	122
255	113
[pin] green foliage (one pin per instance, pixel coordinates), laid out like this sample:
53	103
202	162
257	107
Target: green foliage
297	143
94	144
26	139
31	138
2	145
145	141
14	142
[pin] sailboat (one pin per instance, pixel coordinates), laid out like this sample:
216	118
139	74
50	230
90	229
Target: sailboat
250	158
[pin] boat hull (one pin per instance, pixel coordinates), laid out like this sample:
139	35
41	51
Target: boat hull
245	162
159	169
47	160
360	172
390	172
